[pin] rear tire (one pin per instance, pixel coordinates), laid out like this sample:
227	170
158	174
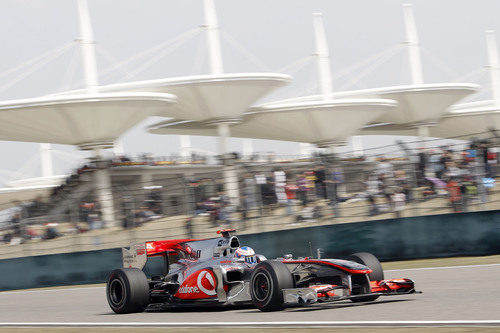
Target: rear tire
267	282
127	290
377	273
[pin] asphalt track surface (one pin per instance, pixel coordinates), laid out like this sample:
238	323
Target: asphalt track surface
466	293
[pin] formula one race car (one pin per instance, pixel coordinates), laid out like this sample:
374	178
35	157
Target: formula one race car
215	272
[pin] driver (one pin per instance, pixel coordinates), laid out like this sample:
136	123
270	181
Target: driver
241	253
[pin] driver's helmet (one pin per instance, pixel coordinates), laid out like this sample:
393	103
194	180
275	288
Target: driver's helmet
243	252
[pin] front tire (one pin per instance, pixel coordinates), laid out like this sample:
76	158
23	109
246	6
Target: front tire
267	282
377	273
127	290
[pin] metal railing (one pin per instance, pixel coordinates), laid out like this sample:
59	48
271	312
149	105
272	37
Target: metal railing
172	206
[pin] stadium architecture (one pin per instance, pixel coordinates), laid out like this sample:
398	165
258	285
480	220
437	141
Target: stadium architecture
223	105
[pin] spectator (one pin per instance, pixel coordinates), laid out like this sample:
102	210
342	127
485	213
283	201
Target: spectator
249	187
302	189
373	208
384	168
399	199
421	167
455	194
319	182
333	182
290	190
279	186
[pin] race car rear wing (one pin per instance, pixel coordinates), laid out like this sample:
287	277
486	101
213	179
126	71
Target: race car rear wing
135	257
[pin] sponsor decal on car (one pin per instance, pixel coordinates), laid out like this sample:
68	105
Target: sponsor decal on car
222	242
150	246
201	284
188	290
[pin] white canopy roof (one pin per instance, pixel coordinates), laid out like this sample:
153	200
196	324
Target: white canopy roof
416	103
209	97
462	121
85	120
475	119
323	123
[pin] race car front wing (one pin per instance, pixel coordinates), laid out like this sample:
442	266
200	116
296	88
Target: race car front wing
333	293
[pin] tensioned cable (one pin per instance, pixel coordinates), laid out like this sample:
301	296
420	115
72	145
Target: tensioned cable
38	58
297	65
188	34
246	53
439	63
109	57
70	72
371	68
346	75
350	69
199	57
478	73
172	47
35	67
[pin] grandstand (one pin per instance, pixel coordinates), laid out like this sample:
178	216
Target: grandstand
156	197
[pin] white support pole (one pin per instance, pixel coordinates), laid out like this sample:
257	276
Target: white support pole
230	174
323	56
247	147
357	146
87	45
213	39
423	134
413	45
118	149
186	148
305	149
103	189
493	65
223	131
46	160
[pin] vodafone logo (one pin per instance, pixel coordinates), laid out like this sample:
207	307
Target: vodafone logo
206	283
198	285
188	290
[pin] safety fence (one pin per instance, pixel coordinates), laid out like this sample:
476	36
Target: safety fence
444	235
193	202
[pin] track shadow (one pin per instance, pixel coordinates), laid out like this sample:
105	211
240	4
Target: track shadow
251	309
188	309
337	305
315	307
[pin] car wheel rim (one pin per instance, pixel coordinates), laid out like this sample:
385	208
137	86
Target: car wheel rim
261	286
116	291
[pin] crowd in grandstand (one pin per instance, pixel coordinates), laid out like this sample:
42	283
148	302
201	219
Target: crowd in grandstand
463	177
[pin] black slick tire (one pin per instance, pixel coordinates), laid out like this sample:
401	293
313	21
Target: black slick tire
267	282
127	290
377	273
